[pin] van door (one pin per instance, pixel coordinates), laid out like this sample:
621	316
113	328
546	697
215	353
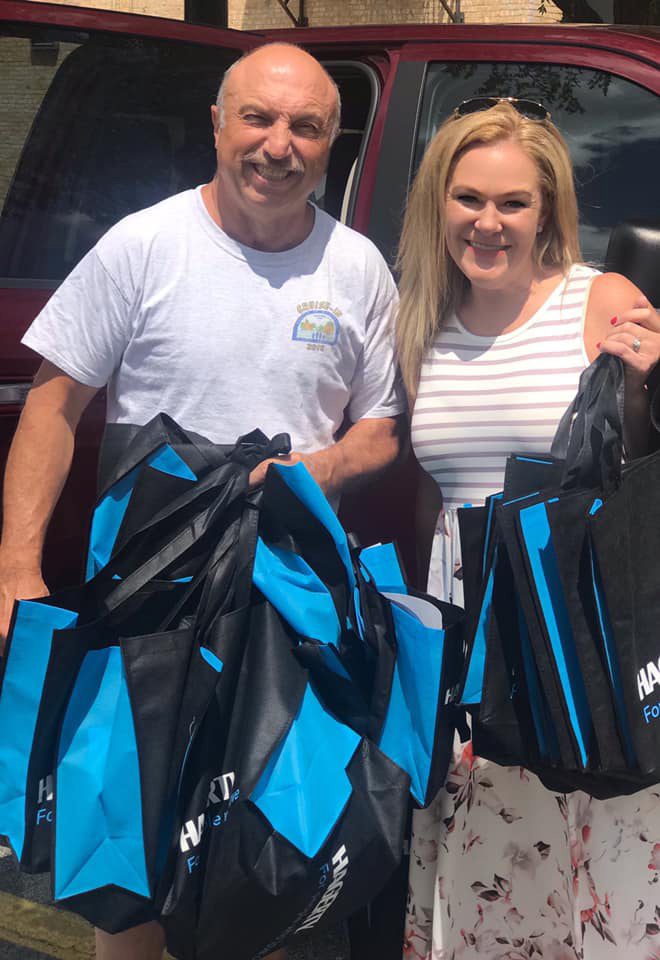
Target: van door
602	88
95	123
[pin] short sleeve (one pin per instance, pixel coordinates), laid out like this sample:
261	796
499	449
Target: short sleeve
85	326
377	390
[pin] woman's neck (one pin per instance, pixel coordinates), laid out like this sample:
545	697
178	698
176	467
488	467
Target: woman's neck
489	312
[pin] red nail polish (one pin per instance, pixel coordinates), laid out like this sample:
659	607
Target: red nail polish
613	320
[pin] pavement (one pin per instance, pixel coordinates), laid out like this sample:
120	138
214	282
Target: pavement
32	929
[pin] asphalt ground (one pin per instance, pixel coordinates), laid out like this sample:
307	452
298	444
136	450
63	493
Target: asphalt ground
32	929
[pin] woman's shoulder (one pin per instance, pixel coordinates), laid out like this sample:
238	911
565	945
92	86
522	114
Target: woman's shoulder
614	289
611	295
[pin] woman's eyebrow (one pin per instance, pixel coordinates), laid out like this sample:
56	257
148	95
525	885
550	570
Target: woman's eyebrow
521	193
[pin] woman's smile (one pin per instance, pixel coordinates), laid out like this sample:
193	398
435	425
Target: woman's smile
490	247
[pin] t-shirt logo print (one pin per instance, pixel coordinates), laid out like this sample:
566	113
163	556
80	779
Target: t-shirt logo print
317	324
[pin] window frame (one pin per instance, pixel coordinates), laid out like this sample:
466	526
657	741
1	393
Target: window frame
396	163
62	24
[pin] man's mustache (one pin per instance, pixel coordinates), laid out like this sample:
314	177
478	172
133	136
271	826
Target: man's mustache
290	165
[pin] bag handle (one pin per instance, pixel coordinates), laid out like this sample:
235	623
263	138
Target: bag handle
216	600
207	577
245	455
589	438
228	482
173	550
380	638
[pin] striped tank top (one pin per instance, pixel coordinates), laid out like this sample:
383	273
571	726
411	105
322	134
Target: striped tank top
482	398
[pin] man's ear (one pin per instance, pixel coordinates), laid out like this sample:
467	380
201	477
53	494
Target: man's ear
215	120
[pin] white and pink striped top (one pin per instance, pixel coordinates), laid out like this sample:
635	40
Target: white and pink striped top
482	398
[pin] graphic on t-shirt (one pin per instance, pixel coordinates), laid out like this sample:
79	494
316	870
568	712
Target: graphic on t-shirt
316	324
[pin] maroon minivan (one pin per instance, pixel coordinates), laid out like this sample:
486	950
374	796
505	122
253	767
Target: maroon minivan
104	113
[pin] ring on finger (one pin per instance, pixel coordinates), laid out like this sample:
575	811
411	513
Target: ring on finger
636	344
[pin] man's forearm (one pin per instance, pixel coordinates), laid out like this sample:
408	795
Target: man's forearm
38	464
367	448
37	467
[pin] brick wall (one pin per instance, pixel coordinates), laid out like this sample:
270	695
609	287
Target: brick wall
23	85
153	8
261	14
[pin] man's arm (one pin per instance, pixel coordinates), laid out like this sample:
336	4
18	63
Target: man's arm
37	467
366	449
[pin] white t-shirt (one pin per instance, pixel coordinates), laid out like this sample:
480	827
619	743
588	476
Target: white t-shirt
175	316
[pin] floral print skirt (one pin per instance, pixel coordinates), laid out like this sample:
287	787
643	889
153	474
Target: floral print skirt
501	868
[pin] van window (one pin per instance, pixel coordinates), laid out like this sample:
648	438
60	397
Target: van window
612	127
94	126
359	90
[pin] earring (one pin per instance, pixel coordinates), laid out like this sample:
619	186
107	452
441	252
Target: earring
539	229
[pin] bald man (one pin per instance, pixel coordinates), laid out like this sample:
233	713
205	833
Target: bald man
233	305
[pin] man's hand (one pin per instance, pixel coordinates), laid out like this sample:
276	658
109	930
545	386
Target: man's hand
258	475
366	449
17	584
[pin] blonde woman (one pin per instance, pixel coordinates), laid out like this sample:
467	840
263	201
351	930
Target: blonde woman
498	319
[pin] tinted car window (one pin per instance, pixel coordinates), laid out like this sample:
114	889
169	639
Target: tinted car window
94	127
612	127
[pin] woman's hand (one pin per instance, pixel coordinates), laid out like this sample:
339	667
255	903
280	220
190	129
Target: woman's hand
635	337
621	321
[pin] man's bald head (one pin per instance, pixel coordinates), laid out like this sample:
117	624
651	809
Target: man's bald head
281	58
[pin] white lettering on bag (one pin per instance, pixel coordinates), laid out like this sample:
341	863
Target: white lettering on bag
225	784
45	789
340	864
648	678
221	789
191	833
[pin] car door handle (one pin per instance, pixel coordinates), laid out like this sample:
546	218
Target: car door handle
13	394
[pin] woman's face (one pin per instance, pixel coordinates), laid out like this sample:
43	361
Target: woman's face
493	215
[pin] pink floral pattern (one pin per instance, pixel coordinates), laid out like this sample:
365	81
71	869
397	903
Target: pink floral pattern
503	869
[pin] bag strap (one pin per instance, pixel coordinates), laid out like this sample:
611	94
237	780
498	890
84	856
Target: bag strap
239	462
589	437
215	600
207	577
181	544
230	483
380	636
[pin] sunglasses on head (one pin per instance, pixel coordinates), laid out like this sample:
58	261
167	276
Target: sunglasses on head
529	109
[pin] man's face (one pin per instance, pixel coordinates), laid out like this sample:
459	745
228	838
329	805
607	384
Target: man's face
274	144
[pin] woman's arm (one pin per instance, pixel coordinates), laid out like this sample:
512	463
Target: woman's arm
620	319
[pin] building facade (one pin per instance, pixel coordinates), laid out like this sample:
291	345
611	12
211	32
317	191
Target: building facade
264	14
255	14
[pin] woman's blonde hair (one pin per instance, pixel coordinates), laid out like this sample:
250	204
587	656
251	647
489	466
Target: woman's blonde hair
430	283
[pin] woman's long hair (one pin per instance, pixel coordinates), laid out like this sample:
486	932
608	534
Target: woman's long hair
430	284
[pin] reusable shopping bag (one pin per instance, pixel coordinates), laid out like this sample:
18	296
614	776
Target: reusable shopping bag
136	701
312	820
40	665
567	683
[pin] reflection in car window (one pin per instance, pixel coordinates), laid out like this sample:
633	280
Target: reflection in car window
94	127
612	127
